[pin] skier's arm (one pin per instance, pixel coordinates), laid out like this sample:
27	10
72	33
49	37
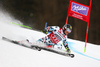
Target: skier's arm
51	28
65	43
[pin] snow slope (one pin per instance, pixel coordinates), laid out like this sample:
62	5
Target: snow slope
12	55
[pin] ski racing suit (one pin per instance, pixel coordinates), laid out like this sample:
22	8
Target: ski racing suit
56	38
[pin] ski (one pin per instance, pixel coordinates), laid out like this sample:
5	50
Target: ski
16	42
37	47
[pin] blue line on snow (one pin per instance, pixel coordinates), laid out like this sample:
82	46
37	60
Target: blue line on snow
74	50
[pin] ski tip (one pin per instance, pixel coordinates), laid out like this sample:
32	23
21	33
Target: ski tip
3	38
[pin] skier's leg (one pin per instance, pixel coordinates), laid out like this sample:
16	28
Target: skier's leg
46	40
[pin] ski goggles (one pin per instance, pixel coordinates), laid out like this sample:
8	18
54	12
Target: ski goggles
68	30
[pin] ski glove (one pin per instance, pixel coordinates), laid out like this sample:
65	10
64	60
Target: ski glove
45	31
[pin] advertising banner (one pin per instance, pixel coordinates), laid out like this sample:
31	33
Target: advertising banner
79	11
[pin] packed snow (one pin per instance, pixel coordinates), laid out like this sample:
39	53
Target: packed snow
12	55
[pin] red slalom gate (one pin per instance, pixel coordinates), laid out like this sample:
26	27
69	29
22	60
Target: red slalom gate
80	11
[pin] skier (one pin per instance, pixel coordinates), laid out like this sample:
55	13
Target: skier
58	37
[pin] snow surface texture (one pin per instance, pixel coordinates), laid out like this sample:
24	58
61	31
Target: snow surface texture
12	55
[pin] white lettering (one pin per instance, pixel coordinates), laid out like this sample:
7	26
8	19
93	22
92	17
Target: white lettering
77	16
54	38
77	8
